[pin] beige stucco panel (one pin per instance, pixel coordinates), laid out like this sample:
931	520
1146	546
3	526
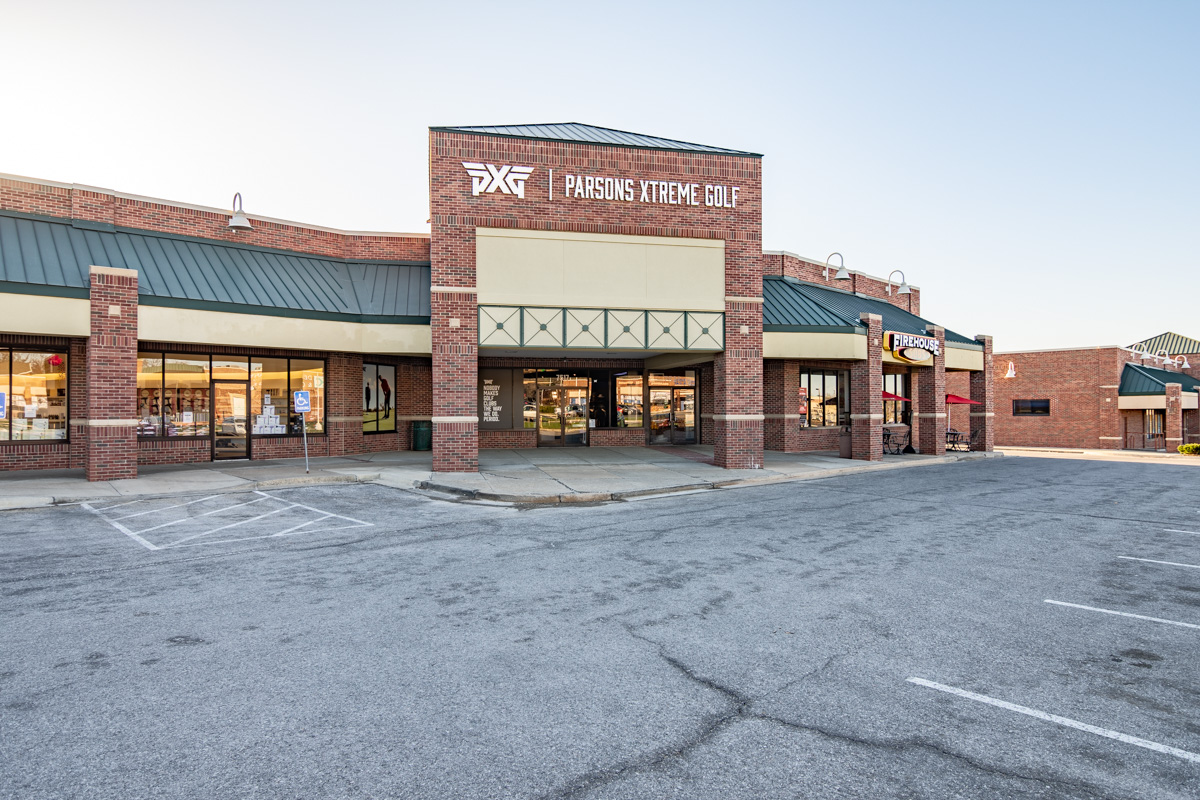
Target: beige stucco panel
517	267
814	345
250	330
1135	402
958	358
45	316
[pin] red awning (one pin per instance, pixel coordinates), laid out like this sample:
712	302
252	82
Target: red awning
890	396
953	399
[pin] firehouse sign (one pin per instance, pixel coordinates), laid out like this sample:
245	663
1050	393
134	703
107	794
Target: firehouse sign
910	348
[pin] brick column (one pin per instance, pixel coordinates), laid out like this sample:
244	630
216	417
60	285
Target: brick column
866	395
112	375
737	384
1174	424
781	405
343	414
454	321
983	390
931	399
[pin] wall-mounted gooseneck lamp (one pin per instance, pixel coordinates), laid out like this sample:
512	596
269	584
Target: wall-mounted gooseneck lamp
842	274
239	221
903	283
1182	362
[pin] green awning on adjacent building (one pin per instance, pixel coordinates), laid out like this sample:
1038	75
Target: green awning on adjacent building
1139	380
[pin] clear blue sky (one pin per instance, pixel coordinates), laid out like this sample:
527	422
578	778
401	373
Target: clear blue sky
1032	166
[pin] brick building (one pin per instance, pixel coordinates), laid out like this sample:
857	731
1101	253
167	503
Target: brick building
1140	397
580	287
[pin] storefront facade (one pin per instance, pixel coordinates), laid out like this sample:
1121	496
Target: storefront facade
580	287
1140	397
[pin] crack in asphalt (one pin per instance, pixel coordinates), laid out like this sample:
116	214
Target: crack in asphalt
739	707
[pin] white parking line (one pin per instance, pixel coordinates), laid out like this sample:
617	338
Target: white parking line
1069	723
1168	563
271	536
166	508
205	514
1173	530
122	528
230	525
316	510
1124	614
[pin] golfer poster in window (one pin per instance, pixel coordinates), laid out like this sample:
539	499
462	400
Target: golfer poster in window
385	397
370	415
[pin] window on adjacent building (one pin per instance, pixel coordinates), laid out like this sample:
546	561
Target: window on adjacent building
35	390
1031	408
379	398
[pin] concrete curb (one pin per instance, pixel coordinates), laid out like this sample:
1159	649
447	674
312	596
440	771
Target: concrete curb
41	501
600	497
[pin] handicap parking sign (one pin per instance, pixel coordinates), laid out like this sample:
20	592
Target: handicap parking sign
300	400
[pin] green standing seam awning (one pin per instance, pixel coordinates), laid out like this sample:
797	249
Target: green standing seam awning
793	306
51	256
1138	380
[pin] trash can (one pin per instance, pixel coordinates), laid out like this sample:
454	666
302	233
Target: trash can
845	447
422	435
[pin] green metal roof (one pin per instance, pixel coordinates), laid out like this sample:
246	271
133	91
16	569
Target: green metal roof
1173	343
41	255
792	305
577	132
1139	380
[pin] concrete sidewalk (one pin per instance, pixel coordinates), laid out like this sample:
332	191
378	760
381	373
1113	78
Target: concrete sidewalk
1101	455
547	475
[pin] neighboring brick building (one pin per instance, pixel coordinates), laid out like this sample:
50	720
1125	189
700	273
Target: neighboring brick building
581	286
1141	397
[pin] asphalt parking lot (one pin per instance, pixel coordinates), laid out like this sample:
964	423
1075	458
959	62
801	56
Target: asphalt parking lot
1017	627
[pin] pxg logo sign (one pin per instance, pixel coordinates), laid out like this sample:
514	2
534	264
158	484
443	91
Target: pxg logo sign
490	178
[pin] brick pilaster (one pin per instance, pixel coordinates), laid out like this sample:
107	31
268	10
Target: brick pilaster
455	326
931	399
781	405
737	382
343	414
112	375
866	395
1174	422
983	391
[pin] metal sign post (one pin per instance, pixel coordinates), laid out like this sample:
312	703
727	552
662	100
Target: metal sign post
301	402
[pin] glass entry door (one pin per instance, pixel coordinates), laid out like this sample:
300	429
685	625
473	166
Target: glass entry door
672	416
683	413
563	416
229	416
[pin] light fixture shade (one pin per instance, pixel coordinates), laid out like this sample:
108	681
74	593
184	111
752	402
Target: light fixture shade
239	221
843	274
1012	370
1185	364
904	289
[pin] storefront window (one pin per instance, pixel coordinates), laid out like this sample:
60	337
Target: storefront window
186	401
629	400
268	396
36	393
379	398
149	394
896	412
828	398
307	376
5	364
230	368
